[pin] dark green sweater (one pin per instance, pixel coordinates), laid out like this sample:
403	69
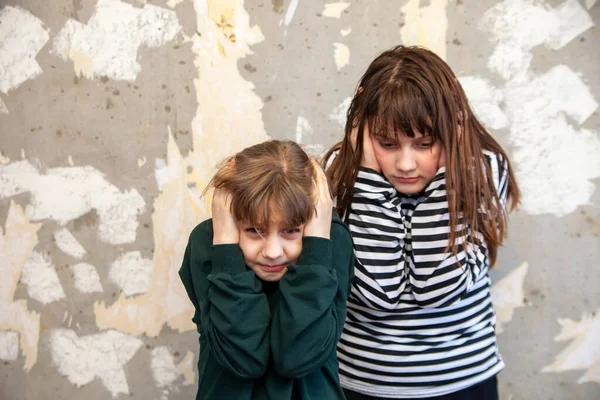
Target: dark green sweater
264	340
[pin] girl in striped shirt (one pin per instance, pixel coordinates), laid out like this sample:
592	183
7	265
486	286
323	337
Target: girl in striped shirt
423	187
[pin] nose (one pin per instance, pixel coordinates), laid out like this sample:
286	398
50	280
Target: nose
273	248
406	160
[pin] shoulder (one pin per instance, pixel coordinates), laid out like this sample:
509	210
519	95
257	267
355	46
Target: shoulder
340	234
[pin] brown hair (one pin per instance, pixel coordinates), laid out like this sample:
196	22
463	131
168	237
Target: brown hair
408	89
269	179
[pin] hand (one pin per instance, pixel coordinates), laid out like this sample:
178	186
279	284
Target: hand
320	223
442	159
224	227
225	230
368	154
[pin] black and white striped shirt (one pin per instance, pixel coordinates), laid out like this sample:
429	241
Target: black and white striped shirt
420	321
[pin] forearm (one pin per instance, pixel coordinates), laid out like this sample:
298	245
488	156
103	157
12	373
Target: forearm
235	314
438	276
378	232
311	309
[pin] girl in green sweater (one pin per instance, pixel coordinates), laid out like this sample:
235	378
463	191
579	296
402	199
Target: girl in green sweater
269	276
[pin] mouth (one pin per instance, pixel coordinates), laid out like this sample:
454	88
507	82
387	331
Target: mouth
407	180
273	268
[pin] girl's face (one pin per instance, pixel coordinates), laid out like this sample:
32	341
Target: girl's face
410	164
268	251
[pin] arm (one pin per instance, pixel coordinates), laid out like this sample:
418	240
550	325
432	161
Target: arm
231	310
379	233
310	312
438	278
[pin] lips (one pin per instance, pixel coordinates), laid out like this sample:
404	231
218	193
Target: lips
273	268
407	180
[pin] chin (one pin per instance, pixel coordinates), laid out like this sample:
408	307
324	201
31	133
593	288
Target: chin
270	277
409	189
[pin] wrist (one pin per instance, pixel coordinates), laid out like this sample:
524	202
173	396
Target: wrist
225	239
322	232
226	235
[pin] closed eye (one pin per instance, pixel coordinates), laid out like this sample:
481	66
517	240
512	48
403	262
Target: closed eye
425	145
387	144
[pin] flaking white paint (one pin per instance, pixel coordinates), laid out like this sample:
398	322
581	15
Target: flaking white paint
102	355
341	55
174	3
86	278
68	244
186	368
508	294
163	367
41	280
107	45
485	99
22	36
132	273
555	161
9	345
338	114
161	173
334	10
227	102
176	213
425	26
16	243
304	131
517	26
584	351
345	32
302	128
573	20
543	140
64	194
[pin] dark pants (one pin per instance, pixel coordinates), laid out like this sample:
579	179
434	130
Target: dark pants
486	390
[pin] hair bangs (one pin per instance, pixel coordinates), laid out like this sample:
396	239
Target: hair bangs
399	110
271	200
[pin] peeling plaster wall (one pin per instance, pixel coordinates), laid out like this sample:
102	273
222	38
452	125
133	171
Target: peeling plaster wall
114	113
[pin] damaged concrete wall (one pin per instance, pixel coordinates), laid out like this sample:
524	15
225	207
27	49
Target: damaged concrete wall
114	113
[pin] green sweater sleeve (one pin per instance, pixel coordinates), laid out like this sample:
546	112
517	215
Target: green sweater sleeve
309	316
231	308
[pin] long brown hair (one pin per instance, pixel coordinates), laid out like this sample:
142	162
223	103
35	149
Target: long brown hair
269	179
408	89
